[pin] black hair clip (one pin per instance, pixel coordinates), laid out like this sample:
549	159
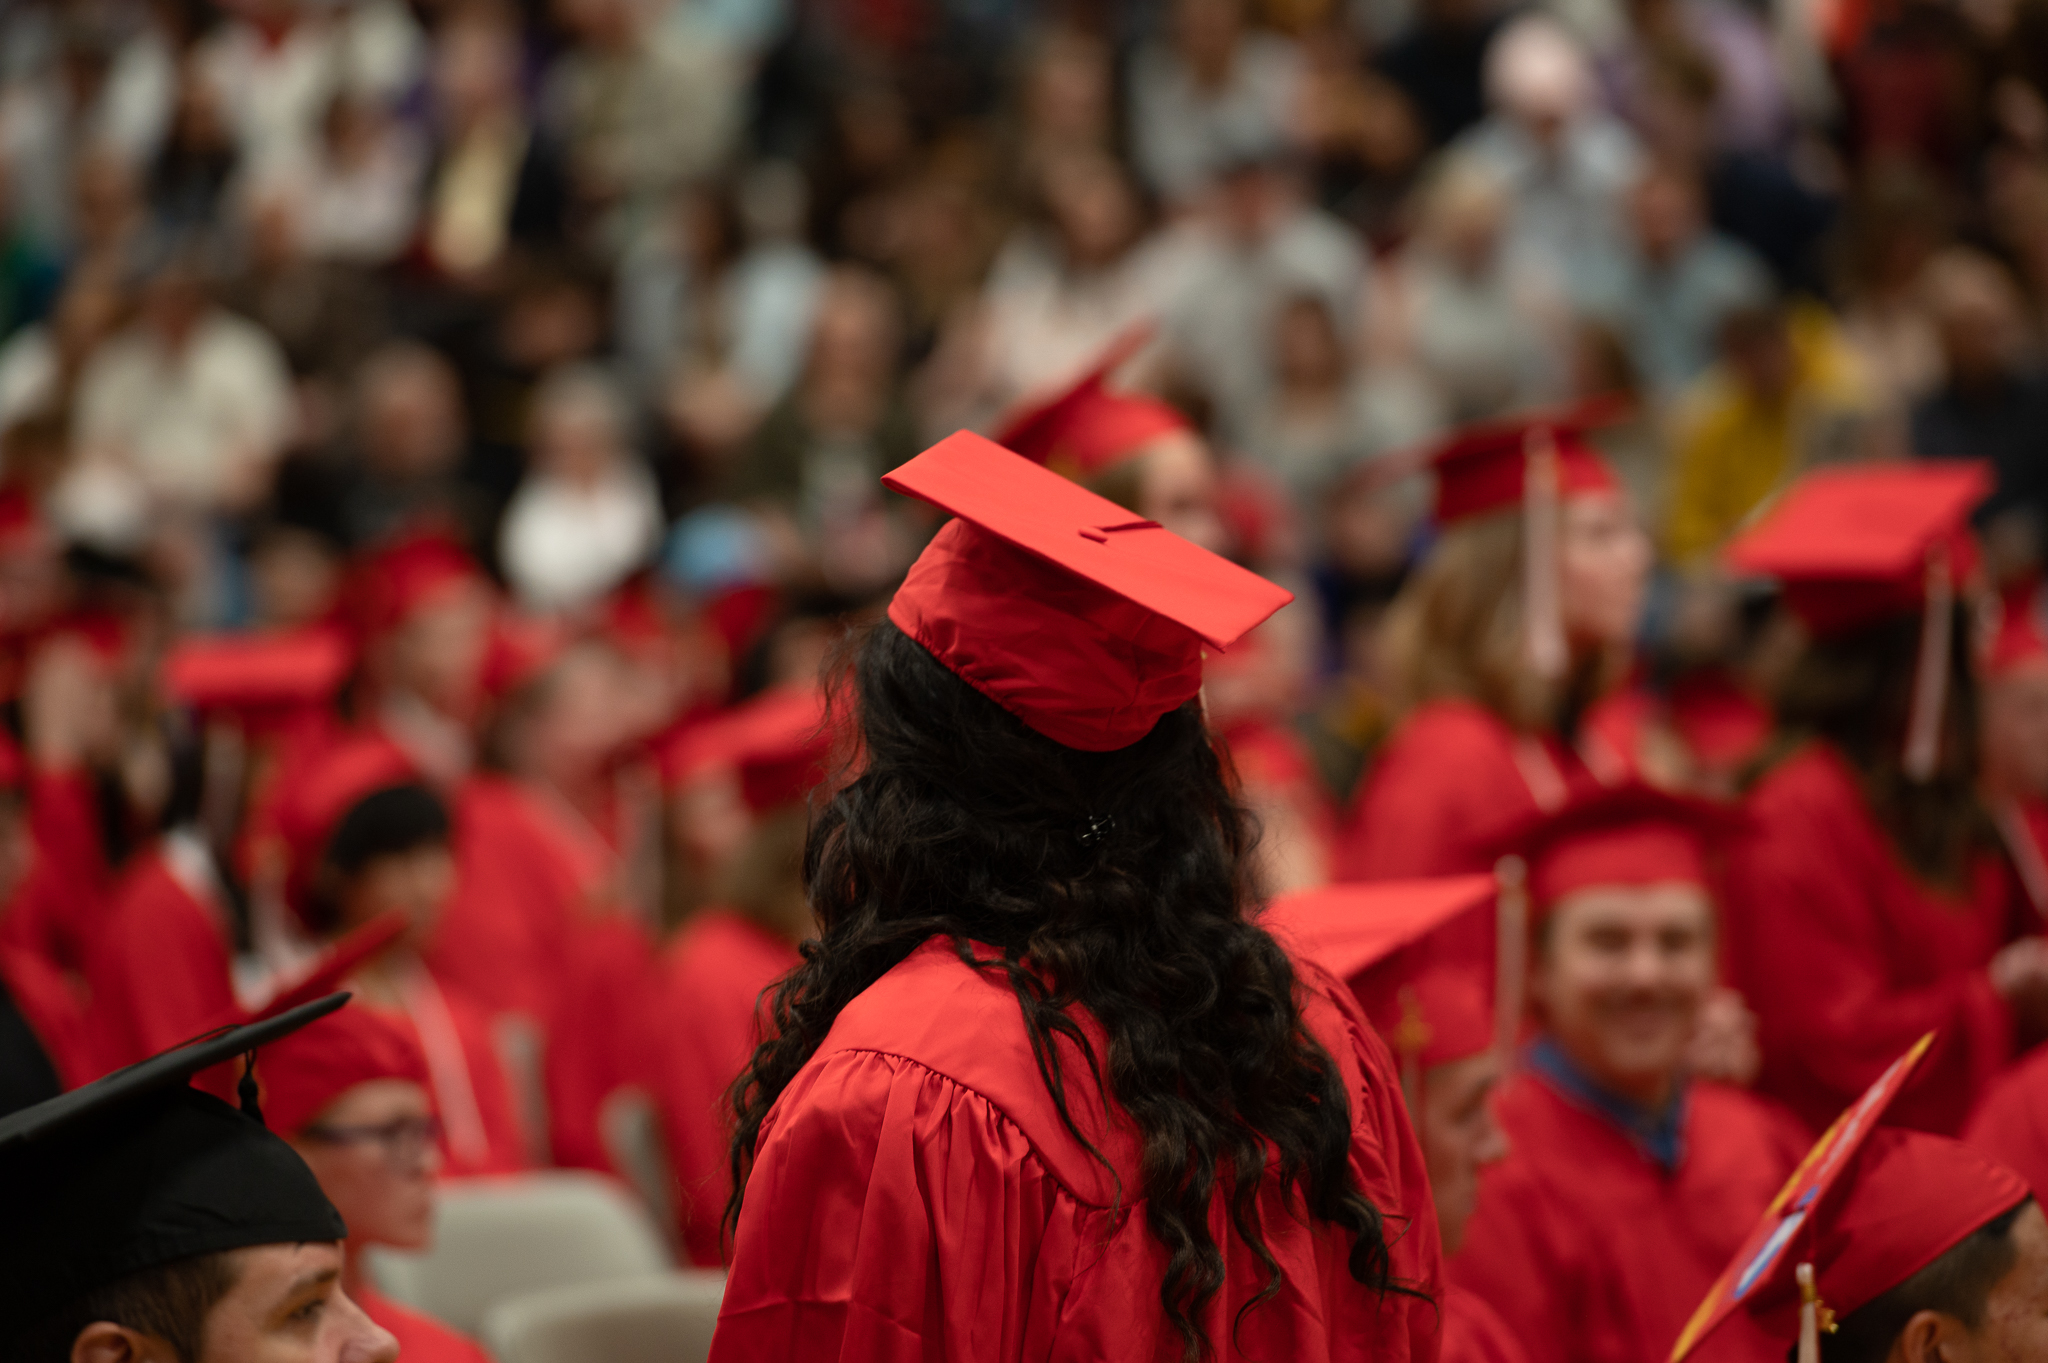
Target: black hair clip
1098	827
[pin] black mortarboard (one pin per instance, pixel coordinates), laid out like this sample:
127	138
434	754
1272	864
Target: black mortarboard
139	1169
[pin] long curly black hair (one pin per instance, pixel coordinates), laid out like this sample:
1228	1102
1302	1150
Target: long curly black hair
965	823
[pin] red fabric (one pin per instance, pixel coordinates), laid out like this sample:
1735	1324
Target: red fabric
1620	835
60	907
601	1037
520	651
1850	545
257	671
1437	1014
1848	959
2020	640
1081	619
388	586
306	1071
965	1221
504	1148
2010	1125
160	973
56	1013
1350	929
1273	769
1085	428
1722	723
777	744
1591	1252
1475	1333
1486	471
709	1018
504	931
421	1339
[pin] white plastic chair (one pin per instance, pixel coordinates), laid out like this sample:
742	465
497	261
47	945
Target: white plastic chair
498	1238
666	1319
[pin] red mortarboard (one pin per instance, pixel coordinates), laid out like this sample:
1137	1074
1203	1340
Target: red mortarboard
306	1071
776	743
312	802
398	579
2019	640
1360	933
519	651
1852	545
1624	835
1867	1209
1077	617
1087	428
254	671
1486	467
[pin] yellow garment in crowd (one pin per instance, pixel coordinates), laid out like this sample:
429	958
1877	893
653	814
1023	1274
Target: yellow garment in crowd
1732	447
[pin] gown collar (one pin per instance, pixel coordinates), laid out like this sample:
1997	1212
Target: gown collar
1658	1134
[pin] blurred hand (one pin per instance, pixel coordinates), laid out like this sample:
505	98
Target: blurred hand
67	706
1724	1041
2019	972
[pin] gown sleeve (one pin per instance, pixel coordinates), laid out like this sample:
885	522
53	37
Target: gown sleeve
1513	1261
889	1216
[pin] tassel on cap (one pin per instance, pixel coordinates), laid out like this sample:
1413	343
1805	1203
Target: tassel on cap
1511	947
1543	646
1930	676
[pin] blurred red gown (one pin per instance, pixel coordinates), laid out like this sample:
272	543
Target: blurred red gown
421	1339
483	1130
1475	1333
2011	1124
58	910
601	1039
1848	958
1591	1253
160	971
917	1196
53	1010
707	1025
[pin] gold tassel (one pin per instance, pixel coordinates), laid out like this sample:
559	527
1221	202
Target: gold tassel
1510	952
1930	678
1543	644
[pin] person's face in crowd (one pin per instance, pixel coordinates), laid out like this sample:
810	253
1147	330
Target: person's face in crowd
438	652
1978	320
87	314
1177	488
374	1153
412	419
577	442
173	304
286	1306
1666	212
104	199
1206	33
2015	743
475	64
710	820
853	338
1093	206
416	882
1603	569
1459	1137
1465	229
1759	352
585	714
1069	96
1307	352
1620	978
295	576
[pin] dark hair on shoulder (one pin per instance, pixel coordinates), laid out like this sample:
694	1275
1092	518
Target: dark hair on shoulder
169	1302
1957	1284
964	823
1856	694
384	823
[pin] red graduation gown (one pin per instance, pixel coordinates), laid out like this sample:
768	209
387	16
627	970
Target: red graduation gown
59	908
1591	1253
707	1021
916	1196
503	932
2011	1124
56	1014
160	972
1848	958
421	1339
601	1037
1475	1333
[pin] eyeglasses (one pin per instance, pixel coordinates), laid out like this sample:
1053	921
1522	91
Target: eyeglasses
404	1142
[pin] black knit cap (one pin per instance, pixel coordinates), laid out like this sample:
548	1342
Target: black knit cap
139	1169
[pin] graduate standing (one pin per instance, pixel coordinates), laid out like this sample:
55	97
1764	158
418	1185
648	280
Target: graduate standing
1042	1089
1627	1182
1874	901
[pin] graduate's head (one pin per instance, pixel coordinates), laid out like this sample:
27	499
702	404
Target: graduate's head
424	610
148	1222
1033	774
1624	934
351	1094
1459	1069
1985	1299
1131	448
1535	587
389	851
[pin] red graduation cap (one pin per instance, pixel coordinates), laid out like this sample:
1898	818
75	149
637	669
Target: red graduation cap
312	801
400	578
1428	1014
776	744
1620	835
1865	1210
1086	428
1077	617
520	649
1496	464
257	671
305	1072
1855	545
